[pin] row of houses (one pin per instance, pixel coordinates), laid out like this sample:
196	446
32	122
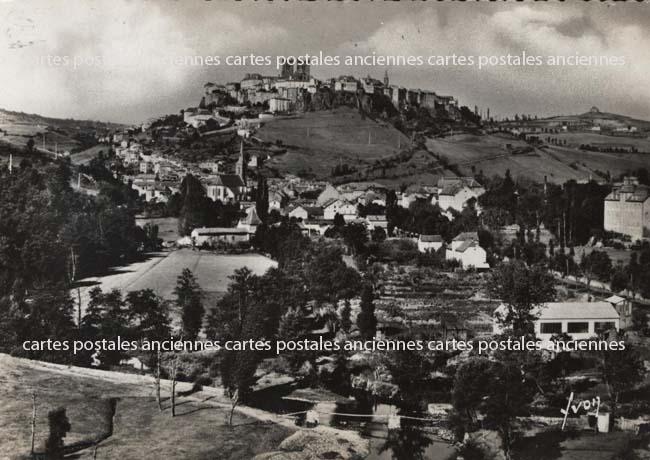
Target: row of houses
282	93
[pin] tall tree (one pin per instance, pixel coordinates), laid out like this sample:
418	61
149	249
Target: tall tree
106	318
262	198
189	299
366	320
522	289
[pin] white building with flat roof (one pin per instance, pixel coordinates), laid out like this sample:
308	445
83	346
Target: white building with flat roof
580	320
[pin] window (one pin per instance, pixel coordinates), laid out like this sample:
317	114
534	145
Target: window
578	328
604	326
551	328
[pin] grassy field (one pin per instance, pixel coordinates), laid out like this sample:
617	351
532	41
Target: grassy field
17	127
159	272
139	430
318	141
489	154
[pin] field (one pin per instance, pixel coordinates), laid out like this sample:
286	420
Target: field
16	128
160	270
318	141
135	428
489	154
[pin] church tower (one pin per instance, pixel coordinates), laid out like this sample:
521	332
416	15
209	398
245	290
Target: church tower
240	167
386	79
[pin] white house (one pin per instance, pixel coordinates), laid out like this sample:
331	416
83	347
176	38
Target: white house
465	248
276	201
251	221
344	208
579	320
377	221
306	212
455	192
430	243
299	212
211	235
243	232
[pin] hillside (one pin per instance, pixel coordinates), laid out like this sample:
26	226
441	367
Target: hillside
16	128
117	413
491	154
316	142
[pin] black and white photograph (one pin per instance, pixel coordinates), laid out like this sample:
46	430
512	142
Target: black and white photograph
324	230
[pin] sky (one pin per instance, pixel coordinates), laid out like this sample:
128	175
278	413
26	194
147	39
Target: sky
115	57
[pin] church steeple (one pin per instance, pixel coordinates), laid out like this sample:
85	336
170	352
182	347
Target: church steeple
386	78
240	167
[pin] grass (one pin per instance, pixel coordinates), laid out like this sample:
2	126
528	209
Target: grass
559	164
318	141
161	270
199	430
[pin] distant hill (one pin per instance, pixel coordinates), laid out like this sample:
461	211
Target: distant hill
605	119
16	128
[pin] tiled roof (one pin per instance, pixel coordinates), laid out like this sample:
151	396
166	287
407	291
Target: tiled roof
466	236
572	311
431	238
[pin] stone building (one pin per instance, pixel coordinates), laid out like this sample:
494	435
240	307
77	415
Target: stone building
627	209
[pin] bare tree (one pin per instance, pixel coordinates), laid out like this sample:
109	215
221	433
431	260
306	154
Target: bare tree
158	399
173	371
234	400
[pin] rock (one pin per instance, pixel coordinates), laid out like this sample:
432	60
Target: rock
322	444
487	441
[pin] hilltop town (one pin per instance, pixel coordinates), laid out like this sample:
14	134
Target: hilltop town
291	210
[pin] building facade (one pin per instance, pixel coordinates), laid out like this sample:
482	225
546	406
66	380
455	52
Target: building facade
627	209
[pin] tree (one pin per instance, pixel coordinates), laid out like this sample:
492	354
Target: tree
366	320
522	290
620	371
327	269
497	390
355	236
471	380
30	144
106	318
378	234
189	299
149	316
619	280
596	265
507	398
59	428
262	198
240	316
345	320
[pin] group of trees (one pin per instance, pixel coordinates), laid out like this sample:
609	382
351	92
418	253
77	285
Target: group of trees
194	209
51	236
